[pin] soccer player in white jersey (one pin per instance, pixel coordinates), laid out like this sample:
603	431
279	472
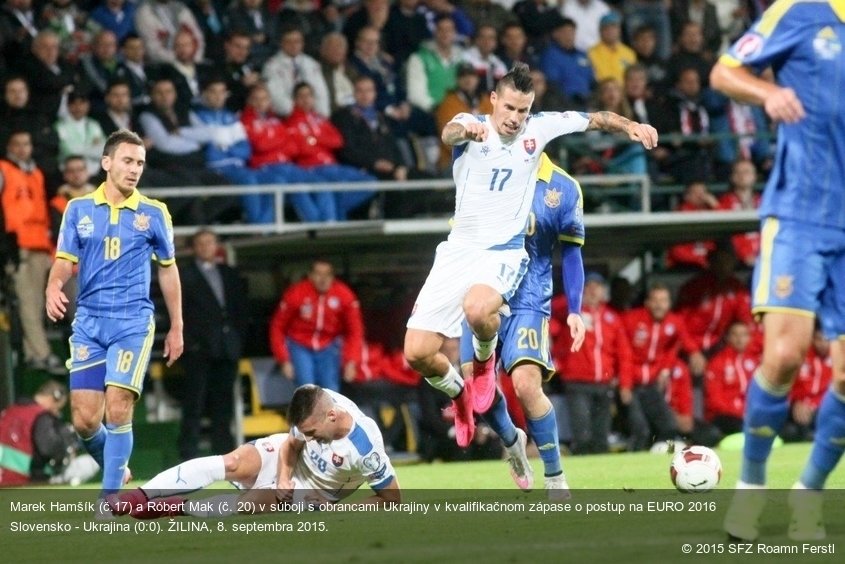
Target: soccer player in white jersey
475	272
331	450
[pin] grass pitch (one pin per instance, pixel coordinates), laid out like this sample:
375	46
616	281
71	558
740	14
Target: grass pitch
623	509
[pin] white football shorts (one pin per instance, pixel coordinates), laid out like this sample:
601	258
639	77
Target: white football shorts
268	449
439	306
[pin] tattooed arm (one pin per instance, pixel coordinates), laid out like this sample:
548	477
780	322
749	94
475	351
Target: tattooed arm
454	133
614	123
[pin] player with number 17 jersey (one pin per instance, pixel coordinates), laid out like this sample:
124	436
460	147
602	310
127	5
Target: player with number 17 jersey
495	182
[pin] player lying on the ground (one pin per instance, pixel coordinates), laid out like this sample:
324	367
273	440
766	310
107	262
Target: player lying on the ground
331	450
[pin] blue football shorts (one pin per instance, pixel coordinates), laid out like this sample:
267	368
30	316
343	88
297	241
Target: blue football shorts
523	337
110	352
801	270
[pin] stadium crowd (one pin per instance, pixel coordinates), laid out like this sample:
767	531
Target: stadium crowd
251	92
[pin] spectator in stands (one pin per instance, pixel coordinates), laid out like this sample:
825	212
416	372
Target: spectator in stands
536	18
72	26
333	52
689	53
370	144
615	155
656	335
313	17
273	151
566	67
464	27
134	71
372	13
431	69
588	16
117	16
610	57
252	19
214	312
463	98
158	21
289	66
408	123
45	446
514	47
316	333
236	67
711	301
319	140
19	27
211	18
743	130
186	74
590	375
644	44
639	95
810	386
118	109
685	157
77	183
487	12
547	98
231	160
99	67
742	196
726	380
652	15
695	254
482	56
17	114
24	202
49	77
177	138
405	29
704	13
80	134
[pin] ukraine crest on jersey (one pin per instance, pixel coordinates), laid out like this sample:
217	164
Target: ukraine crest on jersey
113	246
801	40
495	178
557	214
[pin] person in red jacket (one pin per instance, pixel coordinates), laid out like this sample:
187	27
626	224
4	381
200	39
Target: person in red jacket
273	153
590	375
742	197
812	382
696	198
318	140
728	374
314	317
656	335
709	302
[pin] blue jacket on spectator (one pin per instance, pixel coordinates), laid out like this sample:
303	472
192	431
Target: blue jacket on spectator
569	70
215	156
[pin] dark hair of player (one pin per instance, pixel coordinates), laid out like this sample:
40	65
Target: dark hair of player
518	78
305	399
118	137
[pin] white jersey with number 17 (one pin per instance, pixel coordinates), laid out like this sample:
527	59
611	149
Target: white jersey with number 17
495	178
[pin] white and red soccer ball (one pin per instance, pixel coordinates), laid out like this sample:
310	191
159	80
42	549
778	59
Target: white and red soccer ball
695	469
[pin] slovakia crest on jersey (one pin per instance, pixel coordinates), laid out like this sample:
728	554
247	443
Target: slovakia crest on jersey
530	145
337	460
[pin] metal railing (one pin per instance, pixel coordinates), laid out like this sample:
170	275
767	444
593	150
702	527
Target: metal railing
279	191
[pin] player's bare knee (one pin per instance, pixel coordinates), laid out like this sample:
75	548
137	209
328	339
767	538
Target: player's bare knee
231	462
781	364
118	412
85	422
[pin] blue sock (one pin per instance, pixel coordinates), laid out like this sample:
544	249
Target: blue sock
766	409
116	456
95	443
829	442
544	433
500	420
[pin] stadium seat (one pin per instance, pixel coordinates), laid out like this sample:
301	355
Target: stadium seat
268	393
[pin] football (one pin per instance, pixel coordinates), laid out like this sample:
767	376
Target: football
695	469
